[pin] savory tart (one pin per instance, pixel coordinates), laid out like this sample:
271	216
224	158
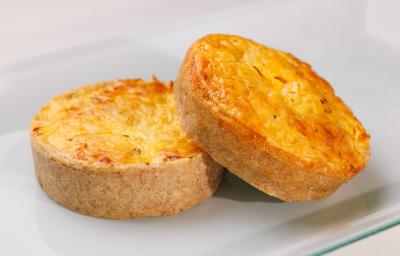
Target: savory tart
117	150
269	118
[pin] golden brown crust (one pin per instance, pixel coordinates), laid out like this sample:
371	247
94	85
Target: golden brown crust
159	189
217	115
121	190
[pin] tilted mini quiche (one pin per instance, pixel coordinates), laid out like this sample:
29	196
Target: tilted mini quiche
117	150
269	118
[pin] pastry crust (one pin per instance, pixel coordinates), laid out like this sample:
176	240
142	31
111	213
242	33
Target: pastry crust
106	180
269	118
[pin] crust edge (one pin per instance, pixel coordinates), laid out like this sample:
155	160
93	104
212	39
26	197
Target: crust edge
122	193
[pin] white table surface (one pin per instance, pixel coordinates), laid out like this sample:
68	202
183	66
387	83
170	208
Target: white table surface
31	28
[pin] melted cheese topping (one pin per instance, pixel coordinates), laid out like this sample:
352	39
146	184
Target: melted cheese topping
281	99
127	121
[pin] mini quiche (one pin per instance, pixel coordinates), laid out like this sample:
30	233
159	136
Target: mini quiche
117	150
269	118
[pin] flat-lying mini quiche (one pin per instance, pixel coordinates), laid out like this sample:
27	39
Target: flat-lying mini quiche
117	150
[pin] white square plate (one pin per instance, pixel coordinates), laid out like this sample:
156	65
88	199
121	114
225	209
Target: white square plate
343	42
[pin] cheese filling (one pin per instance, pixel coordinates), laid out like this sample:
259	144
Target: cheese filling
127	121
